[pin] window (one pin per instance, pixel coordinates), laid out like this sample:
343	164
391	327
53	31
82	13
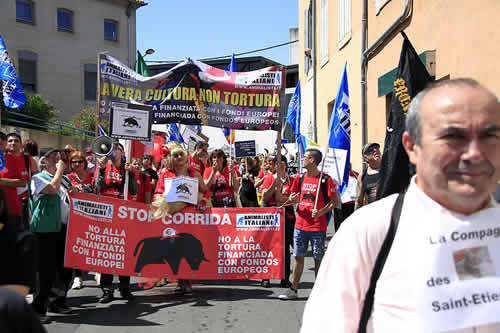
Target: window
27	70
307	38
90	81
64	20
24	11
324	29
344	22
110	30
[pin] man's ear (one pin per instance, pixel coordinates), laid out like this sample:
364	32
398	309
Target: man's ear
410	146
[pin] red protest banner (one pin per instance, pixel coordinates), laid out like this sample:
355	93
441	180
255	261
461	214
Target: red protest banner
113	236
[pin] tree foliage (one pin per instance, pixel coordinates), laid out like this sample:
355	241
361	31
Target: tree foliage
35	107
86	120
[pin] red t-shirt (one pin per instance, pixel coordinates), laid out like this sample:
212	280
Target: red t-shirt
220	186
285	190
237	170
263	175
196	165
308	191
75	183
142	187
113	177
15	168
160	186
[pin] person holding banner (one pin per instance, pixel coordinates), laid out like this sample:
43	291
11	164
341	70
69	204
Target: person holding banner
109	180
176	158
276	192
310	225
394	265
218	181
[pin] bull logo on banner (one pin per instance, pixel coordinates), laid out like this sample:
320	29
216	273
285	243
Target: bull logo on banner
170	249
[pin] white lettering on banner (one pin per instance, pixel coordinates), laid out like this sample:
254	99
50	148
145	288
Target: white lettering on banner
257	221
460	282
242	255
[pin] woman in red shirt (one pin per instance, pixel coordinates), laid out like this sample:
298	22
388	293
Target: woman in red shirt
143	182
176	158
218	180
79	176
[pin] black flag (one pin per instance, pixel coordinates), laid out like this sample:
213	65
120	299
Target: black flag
411	78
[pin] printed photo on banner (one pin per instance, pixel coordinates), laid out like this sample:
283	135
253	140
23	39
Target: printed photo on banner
130	121
183	189
194	93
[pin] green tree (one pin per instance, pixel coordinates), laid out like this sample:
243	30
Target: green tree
35	107
85	120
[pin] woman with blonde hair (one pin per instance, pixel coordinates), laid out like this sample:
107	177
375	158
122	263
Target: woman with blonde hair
176	158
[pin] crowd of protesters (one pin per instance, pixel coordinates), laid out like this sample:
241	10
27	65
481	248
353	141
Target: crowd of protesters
50	175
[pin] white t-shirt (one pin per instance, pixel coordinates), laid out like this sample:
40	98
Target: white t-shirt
38	184
337	298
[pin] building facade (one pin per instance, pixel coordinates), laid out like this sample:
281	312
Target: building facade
54	45
454	38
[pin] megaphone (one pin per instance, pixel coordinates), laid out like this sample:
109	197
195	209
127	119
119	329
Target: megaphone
102	146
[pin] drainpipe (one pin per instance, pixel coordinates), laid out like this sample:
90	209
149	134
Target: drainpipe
372	51
131	5
313	55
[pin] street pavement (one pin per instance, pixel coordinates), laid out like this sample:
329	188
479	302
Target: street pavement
215	306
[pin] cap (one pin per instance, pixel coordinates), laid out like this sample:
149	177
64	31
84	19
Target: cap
368	148
44	152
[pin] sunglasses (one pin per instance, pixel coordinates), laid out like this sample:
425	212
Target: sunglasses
372	149
77	162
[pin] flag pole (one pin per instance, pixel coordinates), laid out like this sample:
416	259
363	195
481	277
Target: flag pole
98	94
319	181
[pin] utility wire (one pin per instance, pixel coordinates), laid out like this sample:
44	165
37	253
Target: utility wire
228	56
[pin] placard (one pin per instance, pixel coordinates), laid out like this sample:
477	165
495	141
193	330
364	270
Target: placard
335	161
131	121
182	188
191	137
245	149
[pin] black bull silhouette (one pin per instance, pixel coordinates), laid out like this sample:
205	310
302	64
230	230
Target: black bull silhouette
308	197
159	250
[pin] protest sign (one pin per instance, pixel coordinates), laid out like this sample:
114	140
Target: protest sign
190	136
335	161
130	121
182	188
459	270
194	93
245	149
113	236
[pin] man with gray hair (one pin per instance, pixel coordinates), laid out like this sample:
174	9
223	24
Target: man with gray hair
406	279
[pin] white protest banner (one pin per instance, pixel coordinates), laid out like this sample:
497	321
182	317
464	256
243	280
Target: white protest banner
183	189
335	161
460	266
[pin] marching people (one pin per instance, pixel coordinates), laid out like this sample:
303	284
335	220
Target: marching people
147	168
65	154
49	217
197	158
367	181
30	148
109	180
310	224
276	192
177	165
82	180
453	138
14	178
218	180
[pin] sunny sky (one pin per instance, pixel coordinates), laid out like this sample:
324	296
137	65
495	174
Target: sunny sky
203	29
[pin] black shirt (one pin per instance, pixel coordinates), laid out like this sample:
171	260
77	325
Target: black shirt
248	195
151	173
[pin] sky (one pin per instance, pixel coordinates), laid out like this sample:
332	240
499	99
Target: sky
204	29
201	29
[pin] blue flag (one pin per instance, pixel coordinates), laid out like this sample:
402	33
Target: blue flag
293	118
101	131
173	133
197	128
13	94
232	65
2	161
340	126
